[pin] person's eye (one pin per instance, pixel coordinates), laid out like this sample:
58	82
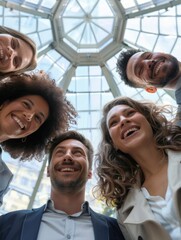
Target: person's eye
16	61
148	56
38	119
140	71
26	104
113	123
131	112
14	43
77	153
60	153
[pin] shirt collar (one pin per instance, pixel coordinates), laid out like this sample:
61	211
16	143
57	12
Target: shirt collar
85	209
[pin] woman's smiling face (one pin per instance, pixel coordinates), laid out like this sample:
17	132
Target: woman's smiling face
15	54
23	116
128	128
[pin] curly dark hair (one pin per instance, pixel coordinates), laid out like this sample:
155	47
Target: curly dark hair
117	171
33	63
72	135
61	112
121	64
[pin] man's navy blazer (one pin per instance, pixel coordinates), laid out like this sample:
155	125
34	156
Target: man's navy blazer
24	225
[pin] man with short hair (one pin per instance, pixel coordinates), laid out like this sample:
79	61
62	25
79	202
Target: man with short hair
151	70
66	215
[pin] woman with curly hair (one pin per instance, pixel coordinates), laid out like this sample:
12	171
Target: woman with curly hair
32	110
139	168
17	52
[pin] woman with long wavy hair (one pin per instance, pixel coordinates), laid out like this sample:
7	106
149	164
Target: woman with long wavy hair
139	168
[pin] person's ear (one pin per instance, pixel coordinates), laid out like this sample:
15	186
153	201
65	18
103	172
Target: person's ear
90	174
4	104
48	172
151	89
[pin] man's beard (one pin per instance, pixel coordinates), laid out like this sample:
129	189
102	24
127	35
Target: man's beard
171	74
68	186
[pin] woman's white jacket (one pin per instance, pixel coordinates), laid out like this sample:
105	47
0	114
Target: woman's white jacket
135	216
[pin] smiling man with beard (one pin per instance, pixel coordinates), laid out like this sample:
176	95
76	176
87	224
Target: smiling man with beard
66	214
151	70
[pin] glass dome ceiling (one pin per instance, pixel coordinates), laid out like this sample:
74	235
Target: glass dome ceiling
78	43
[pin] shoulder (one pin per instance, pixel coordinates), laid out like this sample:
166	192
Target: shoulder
178	95
14	214
110	220
173	155
20	214
109	223
6	177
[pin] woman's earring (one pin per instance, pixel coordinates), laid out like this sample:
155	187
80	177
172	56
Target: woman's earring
1	107
23	140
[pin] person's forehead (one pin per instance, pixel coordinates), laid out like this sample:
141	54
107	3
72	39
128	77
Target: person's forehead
133	60
70	143
114	110
131	66
6	35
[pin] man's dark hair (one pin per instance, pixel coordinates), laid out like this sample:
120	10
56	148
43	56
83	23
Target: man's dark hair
122	65
72	135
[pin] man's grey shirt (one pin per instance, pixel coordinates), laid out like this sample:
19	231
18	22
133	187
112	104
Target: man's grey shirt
58	225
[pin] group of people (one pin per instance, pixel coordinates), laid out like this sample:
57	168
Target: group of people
34	119
138	160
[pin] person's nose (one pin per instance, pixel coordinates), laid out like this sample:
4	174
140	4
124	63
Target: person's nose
10	51
123	120
28	116
68	156
149	62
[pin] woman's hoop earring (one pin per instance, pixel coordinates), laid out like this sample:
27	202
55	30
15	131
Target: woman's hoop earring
23	139
1	107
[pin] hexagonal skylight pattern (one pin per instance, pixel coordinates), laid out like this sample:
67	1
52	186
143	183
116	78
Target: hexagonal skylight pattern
85	30
87	24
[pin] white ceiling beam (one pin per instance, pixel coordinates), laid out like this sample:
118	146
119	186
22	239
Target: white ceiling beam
111	82
153	9
67	77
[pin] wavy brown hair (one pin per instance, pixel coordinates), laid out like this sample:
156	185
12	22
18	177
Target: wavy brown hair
33	62
61	116
117	171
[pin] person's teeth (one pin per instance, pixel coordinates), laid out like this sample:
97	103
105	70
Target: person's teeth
67	170
129	130
158	68
19	122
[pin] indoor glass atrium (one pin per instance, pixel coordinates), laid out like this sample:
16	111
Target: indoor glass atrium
78	44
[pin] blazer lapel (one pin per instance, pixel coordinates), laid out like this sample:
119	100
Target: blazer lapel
134	205
31	224
100	226
174	170
174	173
